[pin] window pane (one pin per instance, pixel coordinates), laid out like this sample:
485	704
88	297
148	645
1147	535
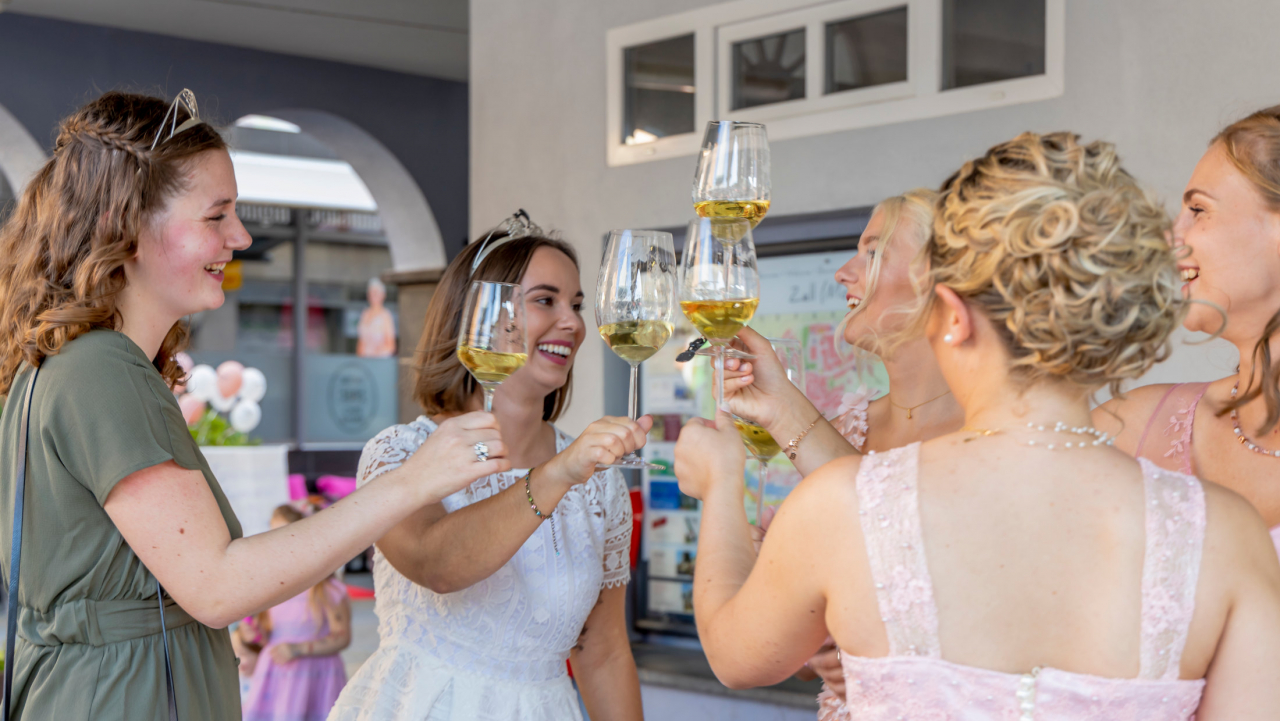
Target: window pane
868	50
658	90
768	69
984	41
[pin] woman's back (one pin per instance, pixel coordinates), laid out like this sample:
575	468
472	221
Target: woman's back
1035	557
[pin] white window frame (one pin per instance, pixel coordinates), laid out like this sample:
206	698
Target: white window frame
918	98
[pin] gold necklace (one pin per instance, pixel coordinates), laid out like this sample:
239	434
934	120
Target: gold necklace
912	408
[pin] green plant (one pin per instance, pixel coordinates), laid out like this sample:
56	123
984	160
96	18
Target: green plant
214	430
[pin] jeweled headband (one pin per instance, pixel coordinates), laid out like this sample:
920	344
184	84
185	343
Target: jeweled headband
186	99
517	226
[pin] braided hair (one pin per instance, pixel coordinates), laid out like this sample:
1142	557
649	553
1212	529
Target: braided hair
63	250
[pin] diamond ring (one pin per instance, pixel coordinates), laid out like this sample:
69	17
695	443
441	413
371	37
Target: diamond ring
482	452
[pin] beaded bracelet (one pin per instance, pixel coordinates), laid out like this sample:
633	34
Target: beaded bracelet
528	492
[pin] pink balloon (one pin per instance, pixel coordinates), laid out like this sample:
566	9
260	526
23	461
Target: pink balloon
192	408
230	376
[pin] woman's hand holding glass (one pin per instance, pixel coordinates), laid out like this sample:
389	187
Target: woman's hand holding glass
709	456
760	390
601	444
451	457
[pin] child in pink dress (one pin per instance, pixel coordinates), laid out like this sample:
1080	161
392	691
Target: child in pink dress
299	672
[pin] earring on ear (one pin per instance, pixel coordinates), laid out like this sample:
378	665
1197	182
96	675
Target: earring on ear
948	338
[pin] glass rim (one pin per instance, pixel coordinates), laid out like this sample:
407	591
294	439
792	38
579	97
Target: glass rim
474	283
639	231
742	123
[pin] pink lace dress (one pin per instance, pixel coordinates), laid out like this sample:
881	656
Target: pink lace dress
914	682
1171	447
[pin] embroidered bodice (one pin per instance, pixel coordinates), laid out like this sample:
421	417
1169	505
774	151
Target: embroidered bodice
1167	437
498	648
915	682
851	416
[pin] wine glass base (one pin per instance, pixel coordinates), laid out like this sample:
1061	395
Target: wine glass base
728	353
638	463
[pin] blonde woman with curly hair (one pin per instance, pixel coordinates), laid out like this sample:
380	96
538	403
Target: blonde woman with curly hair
881	280
1227	431
1020	567
122	233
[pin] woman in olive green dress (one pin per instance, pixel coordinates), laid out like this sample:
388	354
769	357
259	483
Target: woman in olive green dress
112	243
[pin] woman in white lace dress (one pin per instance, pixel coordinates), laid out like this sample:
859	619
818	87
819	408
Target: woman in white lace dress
482	599
919	405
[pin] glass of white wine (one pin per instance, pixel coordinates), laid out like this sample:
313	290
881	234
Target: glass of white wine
491	337
732	180
719	284
759	442
634	305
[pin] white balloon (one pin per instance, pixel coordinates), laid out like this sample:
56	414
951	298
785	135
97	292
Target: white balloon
203	383
220	403
246	416
253	385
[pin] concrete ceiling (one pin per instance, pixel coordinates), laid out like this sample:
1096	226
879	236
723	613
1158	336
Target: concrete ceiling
423	37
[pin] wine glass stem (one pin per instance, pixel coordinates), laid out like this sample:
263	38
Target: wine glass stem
764	475
719	376
633	398
488	398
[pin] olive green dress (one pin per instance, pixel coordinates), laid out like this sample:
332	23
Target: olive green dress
89	644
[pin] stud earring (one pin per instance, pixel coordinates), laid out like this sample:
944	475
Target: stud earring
948	338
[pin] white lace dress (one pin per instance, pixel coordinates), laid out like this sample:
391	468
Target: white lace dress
497	650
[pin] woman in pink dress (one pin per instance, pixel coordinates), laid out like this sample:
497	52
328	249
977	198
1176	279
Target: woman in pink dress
299	673
880	278
1021	567
1227	431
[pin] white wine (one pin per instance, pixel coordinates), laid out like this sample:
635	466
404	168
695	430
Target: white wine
752	210
759	441
719	319
490	366
635	341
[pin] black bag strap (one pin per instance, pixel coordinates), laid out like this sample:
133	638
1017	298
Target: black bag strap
15	562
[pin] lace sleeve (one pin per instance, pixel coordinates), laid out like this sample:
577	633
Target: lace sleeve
387	450
851	417
617	532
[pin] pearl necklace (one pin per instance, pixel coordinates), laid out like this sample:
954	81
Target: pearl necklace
1100	438
1244	440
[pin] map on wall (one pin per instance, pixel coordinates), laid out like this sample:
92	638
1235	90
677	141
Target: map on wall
799	299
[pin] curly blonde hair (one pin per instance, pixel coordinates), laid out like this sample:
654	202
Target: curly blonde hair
1066	255
62	252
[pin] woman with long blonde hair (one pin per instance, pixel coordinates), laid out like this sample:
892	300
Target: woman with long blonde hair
118	237
880	280
1020	567
1227	431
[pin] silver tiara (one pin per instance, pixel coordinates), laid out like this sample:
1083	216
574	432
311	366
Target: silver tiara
517	226
186	99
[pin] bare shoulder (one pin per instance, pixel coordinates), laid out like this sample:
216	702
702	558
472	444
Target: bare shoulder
1235	534
1126	417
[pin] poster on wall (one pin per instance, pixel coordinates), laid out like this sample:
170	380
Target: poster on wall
799	299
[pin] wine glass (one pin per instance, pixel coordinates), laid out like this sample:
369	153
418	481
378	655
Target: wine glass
759	442
732	179
633	305
491	337
719	284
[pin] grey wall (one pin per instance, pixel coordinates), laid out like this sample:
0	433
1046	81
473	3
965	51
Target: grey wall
51	67
1157	77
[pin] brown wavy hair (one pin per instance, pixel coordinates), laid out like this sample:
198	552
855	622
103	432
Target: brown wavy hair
443	384
62	252
1067	256
1253	146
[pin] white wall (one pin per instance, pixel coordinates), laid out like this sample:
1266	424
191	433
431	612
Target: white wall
1157	77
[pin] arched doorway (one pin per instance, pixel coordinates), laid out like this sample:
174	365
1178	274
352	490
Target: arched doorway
409	224
20	156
